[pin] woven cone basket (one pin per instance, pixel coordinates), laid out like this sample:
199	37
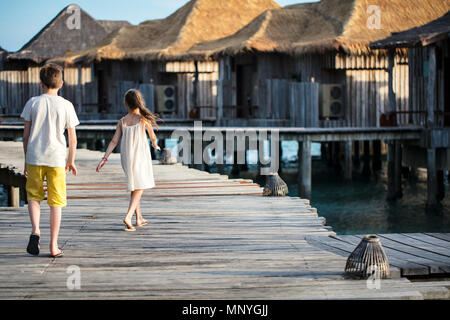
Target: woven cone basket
275	186
166	157
367	258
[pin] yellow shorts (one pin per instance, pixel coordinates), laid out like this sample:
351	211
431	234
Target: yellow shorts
56	184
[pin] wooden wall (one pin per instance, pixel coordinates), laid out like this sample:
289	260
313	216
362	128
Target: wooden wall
418	73
123	75
207	86
18	86
365	79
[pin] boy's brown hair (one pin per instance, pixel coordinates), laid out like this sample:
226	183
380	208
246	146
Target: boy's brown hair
51	75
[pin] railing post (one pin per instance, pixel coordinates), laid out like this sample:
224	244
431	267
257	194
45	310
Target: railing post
304	168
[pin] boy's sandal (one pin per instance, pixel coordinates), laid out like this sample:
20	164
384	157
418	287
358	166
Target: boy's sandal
33	245
60	254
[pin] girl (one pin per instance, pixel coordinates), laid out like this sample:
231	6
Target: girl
134	152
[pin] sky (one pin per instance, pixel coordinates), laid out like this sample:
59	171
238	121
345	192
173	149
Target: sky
20	20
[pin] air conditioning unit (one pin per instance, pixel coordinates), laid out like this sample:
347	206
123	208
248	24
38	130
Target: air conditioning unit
332	101
166	99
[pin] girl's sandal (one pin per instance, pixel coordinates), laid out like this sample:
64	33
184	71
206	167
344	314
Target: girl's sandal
129	227
144	222
58	255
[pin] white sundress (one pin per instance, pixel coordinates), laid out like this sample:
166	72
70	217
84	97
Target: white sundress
136	158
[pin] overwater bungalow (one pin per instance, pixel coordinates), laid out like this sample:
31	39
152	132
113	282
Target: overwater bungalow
429	85
311	65
3	54
71	29
146	57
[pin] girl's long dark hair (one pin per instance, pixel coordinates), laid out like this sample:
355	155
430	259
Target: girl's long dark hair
135	100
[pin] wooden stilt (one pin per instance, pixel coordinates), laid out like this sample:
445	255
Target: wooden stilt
99	144
323	151
376	159
356	159
304	170
348	160
91	144
337	156
398	170
82	144
431	177
236	167
440	185
366	159
431	152
390	171
330	153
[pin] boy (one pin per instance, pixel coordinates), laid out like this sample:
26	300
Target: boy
44	144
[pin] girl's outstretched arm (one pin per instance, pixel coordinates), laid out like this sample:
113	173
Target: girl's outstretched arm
111	146
152	135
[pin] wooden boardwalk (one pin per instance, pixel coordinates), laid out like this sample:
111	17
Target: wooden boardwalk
209	237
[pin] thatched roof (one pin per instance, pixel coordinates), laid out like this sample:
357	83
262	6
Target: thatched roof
56	37
197	21
321	26
429	33
112	25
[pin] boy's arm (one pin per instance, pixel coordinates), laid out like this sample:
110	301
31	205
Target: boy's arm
72	137
26	136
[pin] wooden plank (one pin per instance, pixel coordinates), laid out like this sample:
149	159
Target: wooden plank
440	263
442	236
435	244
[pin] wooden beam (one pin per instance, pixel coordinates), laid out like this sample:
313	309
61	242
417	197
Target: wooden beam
391	65
391	171
79	91
431	88
376	159
366	159
398	170
431	177
348	163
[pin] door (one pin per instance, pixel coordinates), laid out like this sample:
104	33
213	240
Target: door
244	90
447	92
102	99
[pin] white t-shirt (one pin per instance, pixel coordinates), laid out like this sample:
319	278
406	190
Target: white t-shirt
50	116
